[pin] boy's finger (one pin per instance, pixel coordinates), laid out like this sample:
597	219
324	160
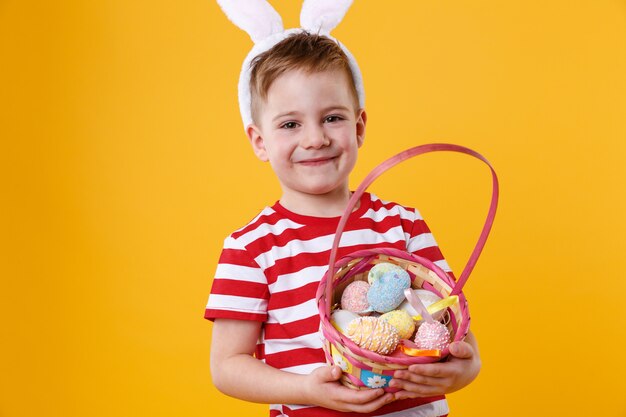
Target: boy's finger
398	381
351	396
416	390
461	350
422	372
435	370
373	405
328	373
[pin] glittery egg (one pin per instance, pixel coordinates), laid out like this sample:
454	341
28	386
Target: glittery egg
373	334
341	318
387	292
354	297
402	322
381	269
432	336
427	298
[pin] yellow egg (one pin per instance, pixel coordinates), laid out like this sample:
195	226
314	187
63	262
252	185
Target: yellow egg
373	334
402	321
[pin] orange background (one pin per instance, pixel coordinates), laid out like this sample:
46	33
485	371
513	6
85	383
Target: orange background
125	165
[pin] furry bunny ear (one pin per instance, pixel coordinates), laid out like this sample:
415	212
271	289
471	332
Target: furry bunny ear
256	17
322	16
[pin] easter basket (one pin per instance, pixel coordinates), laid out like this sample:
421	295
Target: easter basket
362	368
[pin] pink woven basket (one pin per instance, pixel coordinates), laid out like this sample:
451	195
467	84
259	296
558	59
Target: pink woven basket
363	368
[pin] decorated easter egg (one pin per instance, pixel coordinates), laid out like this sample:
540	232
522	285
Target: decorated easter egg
427	298
373	334
402	321
341	318
381	269
432	336
387	292
354	297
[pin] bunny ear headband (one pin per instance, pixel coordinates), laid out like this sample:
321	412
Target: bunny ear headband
264	25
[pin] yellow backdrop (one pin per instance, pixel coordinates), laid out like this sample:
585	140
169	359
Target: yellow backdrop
126	165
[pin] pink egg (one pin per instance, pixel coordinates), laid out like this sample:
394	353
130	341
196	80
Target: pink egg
354	297
432	336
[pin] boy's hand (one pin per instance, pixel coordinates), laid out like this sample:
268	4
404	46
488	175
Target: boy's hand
324	390
427	380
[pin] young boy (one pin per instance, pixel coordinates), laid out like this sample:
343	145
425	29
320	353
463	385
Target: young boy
307	123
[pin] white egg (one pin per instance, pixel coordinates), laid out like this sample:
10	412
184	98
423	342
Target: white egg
341	318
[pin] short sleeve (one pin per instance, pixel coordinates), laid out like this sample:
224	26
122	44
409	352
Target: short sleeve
240	290
422	243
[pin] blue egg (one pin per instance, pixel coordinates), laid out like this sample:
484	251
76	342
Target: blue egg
381	269
387	292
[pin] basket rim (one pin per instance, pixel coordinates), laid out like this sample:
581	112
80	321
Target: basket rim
334	336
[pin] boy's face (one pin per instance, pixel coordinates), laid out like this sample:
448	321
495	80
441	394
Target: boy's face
309	131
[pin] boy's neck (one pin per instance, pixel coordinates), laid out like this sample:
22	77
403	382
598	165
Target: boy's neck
332	204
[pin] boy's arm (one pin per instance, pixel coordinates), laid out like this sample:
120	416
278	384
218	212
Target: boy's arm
427	380
237	373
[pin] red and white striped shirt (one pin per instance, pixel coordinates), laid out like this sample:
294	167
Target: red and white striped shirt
270	269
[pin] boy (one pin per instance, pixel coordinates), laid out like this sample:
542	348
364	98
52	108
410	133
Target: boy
308	124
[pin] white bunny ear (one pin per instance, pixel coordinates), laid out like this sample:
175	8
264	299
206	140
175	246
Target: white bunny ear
257	17
322	16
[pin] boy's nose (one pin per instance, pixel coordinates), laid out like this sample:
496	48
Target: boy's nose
315	138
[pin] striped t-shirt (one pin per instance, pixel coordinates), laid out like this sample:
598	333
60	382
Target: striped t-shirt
270	270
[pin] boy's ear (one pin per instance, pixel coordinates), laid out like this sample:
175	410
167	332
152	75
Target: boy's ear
361	121
256	140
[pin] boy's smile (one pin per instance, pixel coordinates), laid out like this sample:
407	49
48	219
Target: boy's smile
309	130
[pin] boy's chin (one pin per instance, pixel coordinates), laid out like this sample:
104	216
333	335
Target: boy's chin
323	191
320	188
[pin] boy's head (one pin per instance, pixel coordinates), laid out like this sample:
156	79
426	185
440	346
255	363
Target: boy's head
301	96
307	118
302	51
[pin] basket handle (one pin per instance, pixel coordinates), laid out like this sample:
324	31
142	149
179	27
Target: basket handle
391	162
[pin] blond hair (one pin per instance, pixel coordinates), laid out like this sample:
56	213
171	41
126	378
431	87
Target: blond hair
303	51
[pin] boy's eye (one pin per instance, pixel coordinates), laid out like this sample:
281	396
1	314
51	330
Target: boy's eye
289	125
330	119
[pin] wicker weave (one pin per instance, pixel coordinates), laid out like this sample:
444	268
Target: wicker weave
424	274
